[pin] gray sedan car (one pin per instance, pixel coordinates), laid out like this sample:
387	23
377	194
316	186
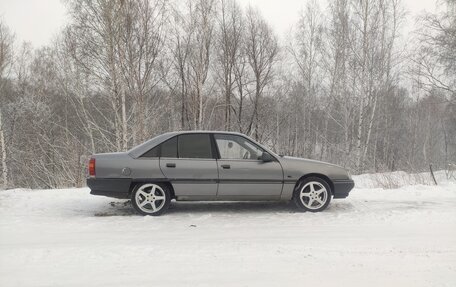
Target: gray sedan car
203	165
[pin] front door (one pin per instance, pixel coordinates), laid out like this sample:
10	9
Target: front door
192	168
242	173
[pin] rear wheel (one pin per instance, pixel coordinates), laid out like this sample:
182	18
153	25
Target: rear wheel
312	194
151	198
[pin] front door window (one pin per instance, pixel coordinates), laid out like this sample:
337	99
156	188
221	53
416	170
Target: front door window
237	147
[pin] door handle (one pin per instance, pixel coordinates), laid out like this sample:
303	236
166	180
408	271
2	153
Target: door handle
170	164
225	166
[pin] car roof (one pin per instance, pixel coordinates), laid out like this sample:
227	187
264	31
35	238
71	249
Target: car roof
205	132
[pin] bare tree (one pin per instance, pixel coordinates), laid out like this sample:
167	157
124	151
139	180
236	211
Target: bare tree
202	16
142	36
95	32
307	53
435	58
261	49
230	32
434	70
336	61
374	32
6	61
122	71
179	46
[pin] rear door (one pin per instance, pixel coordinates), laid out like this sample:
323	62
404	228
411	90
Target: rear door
242	173
188	161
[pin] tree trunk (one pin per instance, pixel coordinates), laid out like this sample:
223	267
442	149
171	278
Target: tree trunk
4	162
359	147
124	122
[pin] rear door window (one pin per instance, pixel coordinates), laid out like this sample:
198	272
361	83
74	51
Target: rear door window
165	149
195	146
169	148
155	152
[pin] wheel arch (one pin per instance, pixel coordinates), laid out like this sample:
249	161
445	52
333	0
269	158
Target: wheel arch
319	175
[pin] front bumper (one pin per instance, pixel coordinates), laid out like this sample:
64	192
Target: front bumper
111	187
343	187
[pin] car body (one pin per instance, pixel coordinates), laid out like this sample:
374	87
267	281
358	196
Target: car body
212	165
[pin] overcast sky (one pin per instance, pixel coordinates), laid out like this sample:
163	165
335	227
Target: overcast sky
37	21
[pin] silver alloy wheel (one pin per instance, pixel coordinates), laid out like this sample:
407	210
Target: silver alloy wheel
150	198
313	195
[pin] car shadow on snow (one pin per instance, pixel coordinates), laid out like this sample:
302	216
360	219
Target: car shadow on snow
231	207
124	208
117	208
257	207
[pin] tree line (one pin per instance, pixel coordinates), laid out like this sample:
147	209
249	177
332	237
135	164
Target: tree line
344	86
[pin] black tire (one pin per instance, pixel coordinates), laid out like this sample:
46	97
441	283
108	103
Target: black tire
312	201
161	190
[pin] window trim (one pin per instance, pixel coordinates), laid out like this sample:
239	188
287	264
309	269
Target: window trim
214	147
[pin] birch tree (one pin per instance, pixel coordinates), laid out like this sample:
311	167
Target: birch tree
435	58
261	50
202	16
307	54
123	71
95	30
336	62
434	70
141	38
179	45
230	32
373	35
6	61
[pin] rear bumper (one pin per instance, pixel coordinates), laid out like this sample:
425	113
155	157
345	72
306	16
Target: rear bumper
111	187
343	187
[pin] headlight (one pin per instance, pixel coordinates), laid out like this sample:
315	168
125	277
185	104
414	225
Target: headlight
349	174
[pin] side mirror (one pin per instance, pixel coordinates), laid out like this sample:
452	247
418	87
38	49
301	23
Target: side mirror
266	157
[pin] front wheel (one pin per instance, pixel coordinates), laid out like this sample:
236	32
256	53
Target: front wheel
312	194
151	199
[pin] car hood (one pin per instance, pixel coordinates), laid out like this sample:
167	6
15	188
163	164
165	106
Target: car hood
306	160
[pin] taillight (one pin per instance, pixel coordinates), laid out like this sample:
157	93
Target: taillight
92	167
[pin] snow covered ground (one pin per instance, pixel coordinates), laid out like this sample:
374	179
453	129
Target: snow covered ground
396	237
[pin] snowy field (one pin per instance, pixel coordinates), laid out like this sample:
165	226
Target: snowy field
404	236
